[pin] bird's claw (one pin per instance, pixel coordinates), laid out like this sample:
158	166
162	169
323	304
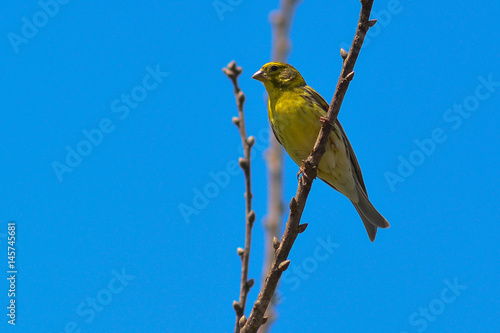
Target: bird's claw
302	170
300	173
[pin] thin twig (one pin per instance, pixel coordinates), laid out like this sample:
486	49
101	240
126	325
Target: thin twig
281	21
309	172
232	72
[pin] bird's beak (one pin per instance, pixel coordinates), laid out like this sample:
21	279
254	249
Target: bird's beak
259	76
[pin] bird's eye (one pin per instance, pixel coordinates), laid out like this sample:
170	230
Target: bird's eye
274	68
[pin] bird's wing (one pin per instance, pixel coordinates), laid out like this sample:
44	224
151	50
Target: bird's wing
352	156
313	96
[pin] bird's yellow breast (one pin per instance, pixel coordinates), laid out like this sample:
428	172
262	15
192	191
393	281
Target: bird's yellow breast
295	123
295	120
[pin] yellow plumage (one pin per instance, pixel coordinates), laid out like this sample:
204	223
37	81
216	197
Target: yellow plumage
294	114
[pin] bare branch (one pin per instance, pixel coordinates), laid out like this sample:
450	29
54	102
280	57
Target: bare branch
232	72
309	171
281	21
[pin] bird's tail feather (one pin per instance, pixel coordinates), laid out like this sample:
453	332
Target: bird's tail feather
369	215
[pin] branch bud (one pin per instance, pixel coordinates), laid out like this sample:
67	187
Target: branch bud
276	243
250	283
284	265
251	216
243	321
237	306
251	140
302	228
236	121
240	251
243	163
236	70
343	53
241	97
349	76
371	23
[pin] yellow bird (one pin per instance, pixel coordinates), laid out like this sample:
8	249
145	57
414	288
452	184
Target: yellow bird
294	114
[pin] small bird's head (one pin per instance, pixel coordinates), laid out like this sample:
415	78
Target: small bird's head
279	75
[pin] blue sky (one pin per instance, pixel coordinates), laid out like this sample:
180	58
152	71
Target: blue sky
116	116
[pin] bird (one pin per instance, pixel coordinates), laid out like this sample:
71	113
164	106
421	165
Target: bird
294	111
